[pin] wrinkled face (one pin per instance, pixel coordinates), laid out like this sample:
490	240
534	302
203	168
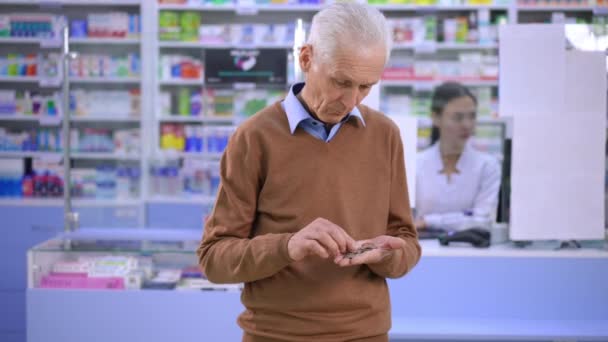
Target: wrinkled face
336	86
457	121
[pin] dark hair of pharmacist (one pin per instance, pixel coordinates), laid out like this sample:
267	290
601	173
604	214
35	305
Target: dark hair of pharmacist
442	96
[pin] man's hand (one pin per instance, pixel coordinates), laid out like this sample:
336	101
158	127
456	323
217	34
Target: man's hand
385	247
321	238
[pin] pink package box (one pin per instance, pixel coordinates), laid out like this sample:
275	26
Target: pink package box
58	281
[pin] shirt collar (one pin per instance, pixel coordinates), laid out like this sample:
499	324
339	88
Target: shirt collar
464	157
296	112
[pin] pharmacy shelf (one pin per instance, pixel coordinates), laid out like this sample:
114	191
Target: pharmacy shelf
58	202
191	7
109	118
241	9
105	41
191	155
414	8
20	79
127	79
314	8
445	46
558	8
194	199
29	154
104	156
425	122
88	118
435	83
73	2
20	40
196	119
17	118
200	45
181	82
73	155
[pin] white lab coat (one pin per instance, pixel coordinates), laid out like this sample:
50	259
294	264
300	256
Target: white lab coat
469	200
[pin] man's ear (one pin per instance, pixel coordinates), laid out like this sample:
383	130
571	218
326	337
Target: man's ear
306	56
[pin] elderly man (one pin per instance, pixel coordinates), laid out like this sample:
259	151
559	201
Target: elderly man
312	213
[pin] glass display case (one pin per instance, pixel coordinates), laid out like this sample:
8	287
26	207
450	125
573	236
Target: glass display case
120	259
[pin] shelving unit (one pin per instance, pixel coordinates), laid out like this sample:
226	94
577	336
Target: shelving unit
76	9
150	47
433	83
196	119
77	202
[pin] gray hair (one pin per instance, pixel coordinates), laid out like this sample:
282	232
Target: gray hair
350	23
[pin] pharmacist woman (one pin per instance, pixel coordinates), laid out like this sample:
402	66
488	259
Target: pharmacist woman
456	185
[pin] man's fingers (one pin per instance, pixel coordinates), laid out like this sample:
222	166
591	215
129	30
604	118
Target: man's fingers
393	243
338	234
315	248
326	240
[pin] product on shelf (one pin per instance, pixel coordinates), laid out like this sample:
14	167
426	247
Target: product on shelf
11	176
189	24
195	138
46	66
27	102
42	181
38	140
106	182
194	178
122	141
105	103
162	269
469	67
458	29
176	67
19	65
33	25
185	26
419	103
95	65
107	25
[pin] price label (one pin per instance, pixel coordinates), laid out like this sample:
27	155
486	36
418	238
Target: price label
424	86
426	48
49	120
51	157
246	10
50	43
243	86
50	82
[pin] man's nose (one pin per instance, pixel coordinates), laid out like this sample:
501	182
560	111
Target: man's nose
349	98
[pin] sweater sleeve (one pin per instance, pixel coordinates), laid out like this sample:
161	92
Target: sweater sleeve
228	253
400	223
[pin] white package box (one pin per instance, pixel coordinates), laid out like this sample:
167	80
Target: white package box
557	176
532	64
584	77
408	128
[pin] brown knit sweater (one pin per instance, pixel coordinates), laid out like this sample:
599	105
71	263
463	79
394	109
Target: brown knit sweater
273	184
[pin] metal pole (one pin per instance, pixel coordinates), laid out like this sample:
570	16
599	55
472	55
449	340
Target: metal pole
70	217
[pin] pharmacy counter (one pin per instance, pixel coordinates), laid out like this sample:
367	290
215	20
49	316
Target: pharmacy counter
455	293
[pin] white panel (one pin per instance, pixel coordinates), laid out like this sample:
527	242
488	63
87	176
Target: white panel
408	127
532	60
372	100
557	176
584	76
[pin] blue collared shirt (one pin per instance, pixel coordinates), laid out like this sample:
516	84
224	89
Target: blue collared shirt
297	115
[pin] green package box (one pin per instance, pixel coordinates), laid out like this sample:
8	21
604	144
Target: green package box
189	24
168	25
